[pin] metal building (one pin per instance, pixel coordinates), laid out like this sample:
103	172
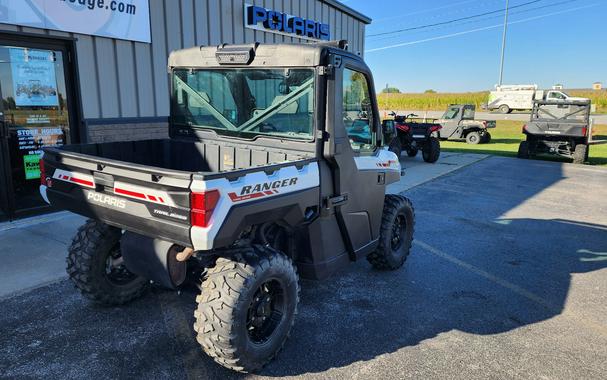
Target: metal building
95	70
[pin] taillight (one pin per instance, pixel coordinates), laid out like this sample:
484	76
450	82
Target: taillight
435	128
42	172
584	130
202	205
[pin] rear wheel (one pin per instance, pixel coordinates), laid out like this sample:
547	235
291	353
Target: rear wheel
523	150
96	267
486	138
396	234
247	307
580	155
504	108
431	151
473	137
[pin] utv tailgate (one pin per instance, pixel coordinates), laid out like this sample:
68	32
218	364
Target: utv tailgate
148	200
557	129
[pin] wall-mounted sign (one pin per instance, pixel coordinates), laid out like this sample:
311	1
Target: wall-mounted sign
272	21
122	19
34	82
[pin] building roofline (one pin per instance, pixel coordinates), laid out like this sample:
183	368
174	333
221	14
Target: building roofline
346	9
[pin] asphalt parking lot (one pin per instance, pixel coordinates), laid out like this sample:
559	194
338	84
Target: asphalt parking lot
507	279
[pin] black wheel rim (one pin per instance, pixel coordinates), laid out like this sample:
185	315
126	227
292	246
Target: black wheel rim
266	311
398	232
115	270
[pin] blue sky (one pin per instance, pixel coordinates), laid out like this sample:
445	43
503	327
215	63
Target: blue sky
564	42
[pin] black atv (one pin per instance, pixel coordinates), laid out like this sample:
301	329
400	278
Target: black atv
560	127
412	135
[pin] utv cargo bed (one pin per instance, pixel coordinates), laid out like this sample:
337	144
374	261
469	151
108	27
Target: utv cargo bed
145	186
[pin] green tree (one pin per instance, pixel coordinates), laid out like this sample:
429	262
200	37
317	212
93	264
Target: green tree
430	91
390	90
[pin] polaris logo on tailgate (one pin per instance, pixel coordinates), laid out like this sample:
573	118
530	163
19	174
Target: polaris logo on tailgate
106	199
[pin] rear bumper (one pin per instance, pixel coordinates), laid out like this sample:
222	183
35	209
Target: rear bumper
128	215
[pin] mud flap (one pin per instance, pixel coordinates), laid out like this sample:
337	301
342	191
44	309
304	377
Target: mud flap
153	259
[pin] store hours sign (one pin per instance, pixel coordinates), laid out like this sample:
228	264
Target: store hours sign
121	19
273	21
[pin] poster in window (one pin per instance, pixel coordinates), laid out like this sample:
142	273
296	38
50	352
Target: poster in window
34	82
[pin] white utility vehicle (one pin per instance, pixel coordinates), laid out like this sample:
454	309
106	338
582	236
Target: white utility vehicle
520	97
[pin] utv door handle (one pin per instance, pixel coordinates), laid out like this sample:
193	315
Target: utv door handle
338	200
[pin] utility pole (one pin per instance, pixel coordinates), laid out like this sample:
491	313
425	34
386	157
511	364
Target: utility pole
503	44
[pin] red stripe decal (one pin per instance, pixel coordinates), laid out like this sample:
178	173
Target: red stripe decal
82	182
129	193
268	192
152	198
236	198
161	200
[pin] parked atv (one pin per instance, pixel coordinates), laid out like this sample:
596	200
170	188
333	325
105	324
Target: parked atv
253	193
408	134
560	127
458	123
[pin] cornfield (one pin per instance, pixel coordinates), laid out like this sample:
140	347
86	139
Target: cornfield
440	101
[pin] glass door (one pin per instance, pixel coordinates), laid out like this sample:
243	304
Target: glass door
34	114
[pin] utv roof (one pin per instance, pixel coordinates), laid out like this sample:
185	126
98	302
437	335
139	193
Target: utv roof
280	55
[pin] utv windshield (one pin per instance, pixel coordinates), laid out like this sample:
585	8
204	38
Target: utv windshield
246	102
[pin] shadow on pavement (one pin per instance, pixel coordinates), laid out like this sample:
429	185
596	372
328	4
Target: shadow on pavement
471	270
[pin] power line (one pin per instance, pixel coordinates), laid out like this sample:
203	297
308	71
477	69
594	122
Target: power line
453	20
478	29
497	16
426	10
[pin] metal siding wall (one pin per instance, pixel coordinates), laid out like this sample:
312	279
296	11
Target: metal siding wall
128	79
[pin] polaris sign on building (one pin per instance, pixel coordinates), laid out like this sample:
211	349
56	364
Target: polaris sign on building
77	71
283	23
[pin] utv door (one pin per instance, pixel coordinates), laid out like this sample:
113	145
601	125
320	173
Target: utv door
354	126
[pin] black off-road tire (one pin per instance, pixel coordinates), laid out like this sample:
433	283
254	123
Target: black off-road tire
395	147
226	306
473	138
431	151
486	138
387	255
504	109
580	155
523	150
412	152
87	266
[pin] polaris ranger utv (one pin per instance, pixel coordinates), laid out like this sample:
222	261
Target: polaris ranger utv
459	123
560	127
275	168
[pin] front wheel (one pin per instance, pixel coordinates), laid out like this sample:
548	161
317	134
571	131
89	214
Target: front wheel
486	138
247	307
411	152
395	147
431	151
395	235
96	267
473	138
